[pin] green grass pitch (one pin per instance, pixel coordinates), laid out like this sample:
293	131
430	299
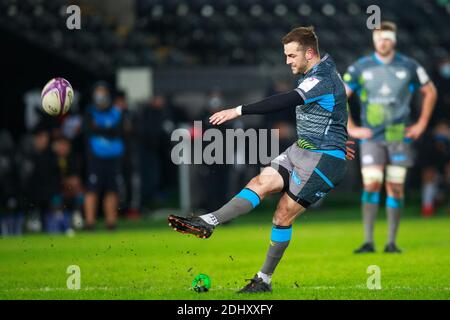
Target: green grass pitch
151	261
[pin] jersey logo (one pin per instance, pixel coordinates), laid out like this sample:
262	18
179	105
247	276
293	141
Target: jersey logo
401	74
320	194
308	84
296	179
367	159
422	75
399	157
385	90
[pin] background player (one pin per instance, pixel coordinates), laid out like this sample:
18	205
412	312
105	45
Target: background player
385	82
308	169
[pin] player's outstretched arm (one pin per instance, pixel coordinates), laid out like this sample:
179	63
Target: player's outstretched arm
223	116
271	104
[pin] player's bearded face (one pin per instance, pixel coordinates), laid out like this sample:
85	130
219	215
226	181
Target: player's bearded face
383	45
295	57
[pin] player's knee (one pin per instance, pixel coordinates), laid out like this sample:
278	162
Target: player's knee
396	190
281	217
395	174
373	187
260	184
372	179
395	181
286	213
255	183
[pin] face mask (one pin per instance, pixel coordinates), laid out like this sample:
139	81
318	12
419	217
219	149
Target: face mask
102	100
444	70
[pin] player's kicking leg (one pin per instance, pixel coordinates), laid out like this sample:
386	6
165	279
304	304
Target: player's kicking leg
309	176
267	182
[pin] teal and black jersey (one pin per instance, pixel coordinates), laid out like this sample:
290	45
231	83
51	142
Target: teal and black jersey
322	119
385	92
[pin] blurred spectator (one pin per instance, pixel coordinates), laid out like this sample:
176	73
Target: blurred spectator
33	109
153	125
104	132
11	219
71	127
434	158
121	102
40	180
216	176
71	193
130	194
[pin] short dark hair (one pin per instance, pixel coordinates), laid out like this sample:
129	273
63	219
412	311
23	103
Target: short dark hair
387	26
305	36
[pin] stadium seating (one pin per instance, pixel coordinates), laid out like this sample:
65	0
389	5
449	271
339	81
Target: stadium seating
224	32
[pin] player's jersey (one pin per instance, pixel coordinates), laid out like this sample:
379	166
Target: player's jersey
322	120
385	92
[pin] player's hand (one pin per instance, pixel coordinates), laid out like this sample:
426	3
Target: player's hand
415	131
349	152
360	133
223	116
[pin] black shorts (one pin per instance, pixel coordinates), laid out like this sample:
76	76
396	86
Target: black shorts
308	176
104	175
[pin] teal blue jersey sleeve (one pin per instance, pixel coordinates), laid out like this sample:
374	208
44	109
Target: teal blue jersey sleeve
319	89
352	77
